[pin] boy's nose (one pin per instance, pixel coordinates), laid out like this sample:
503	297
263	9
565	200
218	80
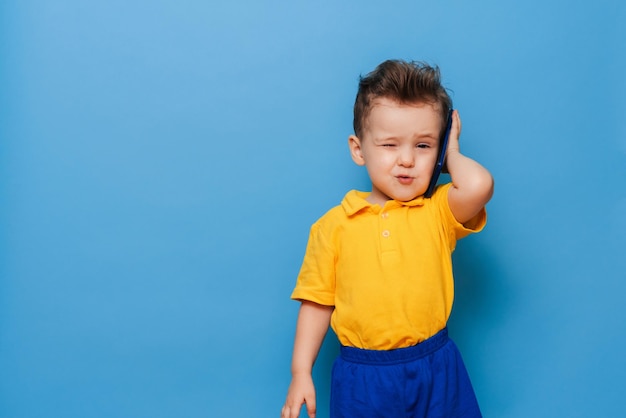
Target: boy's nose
406	158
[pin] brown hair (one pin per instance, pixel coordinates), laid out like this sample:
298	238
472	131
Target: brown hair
405	82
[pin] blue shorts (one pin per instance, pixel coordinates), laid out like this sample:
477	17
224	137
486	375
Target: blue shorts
426	380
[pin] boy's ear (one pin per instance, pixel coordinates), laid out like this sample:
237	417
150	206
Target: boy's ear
355	150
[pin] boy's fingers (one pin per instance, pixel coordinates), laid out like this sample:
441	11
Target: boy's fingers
455	129
288	412
293	411
455	133
310	407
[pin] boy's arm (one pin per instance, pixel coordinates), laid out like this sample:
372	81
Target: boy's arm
313	322
472	184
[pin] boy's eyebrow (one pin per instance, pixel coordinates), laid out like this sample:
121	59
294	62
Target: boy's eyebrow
418	135
391	137
433	138
383	137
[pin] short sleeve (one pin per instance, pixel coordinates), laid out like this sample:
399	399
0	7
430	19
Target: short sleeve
455	229
316	280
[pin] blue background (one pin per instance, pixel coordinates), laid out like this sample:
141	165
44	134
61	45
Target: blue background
161	163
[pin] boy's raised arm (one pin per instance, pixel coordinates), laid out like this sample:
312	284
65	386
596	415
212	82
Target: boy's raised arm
472	184
313	322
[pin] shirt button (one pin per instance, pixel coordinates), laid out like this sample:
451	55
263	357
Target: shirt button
385	233
384	215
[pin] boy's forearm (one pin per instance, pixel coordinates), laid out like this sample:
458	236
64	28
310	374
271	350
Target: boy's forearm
472	183
467	174
313	322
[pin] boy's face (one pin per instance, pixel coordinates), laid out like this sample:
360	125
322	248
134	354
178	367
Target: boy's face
399	148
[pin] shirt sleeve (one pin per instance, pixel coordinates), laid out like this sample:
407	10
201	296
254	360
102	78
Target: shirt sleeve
316	280
455	229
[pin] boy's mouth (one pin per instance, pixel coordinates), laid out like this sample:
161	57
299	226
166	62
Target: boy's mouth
405	179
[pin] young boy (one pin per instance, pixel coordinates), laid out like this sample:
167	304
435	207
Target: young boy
378	267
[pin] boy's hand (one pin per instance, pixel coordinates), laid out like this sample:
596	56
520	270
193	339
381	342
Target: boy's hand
455	133
313	321
453	138
301	390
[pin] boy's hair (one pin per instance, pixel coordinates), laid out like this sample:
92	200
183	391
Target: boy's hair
402	81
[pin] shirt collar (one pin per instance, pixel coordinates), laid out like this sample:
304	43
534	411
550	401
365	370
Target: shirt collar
355	201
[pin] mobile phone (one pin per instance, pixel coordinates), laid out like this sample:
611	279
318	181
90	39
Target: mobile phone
441	158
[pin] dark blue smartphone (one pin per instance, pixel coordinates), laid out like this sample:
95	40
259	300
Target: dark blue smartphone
441	158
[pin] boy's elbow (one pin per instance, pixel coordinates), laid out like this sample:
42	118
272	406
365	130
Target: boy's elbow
478	189
485	186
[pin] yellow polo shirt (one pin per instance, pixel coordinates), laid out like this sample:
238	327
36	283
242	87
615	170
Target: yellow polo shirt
386	270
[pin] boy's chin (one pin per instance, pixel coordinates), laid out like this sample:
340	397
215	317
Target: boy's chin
400	195
408	197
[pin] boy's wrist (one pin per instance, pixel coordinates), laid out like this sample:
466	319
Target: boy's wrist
303	373
451	154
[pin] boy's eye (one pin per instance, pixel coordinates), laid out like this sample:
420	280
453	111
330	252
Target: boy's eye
389	145
423	146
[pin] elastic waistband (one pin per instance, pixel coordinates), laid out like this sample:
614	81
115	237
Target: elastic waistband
398	355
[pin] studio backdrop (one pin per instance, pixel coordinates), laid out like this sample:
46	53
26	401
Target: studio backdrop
161	164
